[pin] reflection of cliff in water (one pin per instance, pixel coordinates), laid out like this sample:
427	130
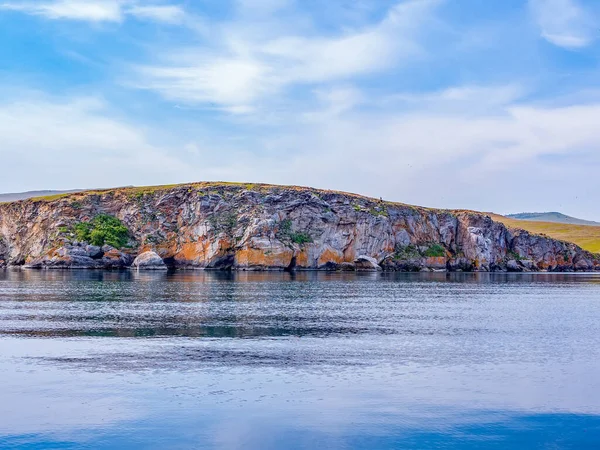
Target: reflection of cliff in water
214	304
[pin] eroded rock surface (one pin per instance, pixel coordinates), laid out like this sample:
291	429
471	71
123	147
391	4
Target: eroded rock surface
258	227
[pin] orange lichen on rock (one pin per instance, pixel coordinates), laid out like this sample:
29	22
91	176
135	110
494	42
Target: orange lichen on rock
436	262
251	257
196	253
330	255
302	259
349	254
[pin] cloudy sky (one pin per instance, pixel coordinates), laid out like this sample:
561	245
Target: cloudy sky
488	105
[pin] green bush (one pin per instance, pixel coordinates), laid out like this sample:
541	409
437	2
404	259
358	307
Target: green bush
301	238
286	234
406	252
514	255
413	252
435	251
102	229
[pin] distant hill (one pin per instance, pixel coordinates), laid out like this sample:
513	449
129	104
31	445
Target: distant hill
14	197
25	195
586	236
553	217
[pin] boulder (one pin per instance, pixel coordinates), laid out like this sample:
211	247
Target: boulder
68	257
94	251
513	266
115	259
347	267
460	265
149	261
402	265
366	263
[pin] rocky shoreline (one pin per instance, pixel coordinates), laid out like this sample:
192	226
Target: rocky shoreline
225	226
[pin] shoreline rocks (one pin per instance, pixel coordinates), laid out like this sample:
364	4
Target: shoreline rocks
81	256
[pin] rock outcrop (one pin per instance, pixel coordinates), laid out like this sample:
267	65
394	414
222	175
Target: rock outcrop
366	263
149	261
259	227
77	255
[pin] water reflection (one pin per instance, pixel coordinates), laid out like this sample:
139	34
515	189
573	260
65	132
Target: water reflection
512	430
306	360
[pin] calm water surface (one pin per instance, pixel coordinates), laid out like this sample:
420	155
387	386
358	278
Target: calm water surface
277	361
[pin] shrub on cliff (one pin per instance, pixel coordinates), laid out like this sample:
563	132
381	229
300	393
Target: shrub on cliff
103	229
435	251
285	234
409	252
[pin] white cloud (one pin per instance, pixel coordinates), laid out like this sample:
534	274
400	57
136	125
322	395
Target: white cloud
335	101
251	66
231	83
159	13
503	158
77	142
93	11
472	100
564	23
436	155
98	10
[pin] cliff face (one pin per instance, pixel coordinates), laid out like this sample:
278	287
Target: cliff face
219	225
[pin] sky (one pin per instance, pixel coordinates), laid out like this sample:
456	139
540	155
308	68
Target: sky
487	105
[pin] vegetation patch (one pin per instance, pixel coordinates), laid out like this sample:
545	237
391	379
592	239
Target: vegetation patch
223	223
101	230
380	211
286	234
49	198
435	251
514	255
407	252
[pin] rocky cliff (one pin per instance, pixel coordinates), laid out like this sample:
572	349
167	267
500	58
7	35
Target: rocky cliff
254	227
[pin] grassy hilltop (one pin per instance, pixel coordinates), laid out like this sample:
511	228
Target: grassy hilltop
586	236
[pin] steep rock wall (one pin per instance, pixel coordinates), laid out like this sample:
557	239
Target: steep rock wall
220	225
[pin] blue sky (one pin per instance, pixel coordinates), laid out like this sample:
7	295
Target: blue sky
490	105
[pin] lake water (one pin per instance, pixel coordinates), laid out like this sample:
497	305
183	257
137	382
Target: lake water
101	360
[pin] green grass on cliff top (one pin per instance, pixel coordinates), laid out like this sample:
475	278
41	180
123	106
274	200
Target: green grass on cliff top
133	190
